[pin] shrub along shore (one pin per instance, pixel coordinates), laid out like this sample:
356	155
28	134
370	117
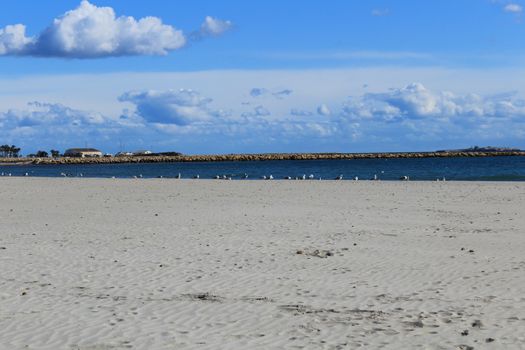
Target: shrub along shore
249	157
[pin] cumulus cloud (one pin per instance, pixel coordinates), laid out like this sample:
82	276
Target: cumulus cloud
13	39
279	94
52	125
183	107
90	31
513	8
49	114
324	110
259	111
416	101
214	26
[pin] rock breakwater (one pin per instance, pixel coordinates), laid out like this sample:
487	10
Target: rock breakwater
249	157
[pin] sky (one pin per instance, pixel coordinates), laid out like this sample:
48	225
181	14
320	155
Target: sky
232	76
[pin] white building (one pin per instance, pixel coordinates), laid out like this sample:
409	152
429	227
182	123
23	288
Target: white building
83	152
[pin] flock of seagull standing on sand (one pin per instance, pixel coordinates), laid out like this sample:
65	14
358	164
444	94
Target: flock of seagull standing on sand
243	176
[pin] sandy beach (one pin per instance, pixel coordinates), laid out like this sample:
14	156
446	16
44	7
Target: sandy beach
203	264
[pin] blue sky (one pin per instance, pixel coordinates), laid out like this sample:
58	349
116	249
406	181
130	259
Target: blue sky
262	76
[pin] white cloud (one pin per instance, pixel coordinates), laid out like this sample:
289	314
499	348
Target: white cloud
279	94
416	101
259	111
13	39
214	26
182	108
324	110
513	8
50	114
52	125
90	31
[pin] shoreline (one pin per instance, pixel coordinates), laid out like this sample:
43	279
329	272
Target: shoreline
252	157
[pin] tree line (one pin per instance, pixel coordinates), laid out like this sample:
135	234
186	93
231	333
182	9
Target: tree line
7	151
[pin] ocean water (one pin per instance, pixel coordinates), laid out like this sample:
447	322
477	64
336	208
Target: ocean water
466	169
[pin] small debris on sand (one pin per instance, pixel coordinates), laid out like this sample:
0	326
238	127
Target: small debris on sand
319	253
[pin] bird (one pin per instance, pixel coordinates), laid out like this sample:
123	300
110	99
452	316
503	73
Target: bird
375	177
340	177
196	176
178	176
304	177
356	178
404	178
264	177
311	177
270	177
287	177
245	175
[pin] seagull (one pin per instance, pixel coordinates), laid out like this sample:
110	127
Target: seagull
375	177
217	177
271	177
26	174
404	178
287	177
311	177
178	176
196	176
264	177
245	175
304	177
356	178
340	177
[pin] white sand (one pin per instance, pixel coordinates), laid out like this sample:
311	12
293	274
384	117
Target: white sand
171	264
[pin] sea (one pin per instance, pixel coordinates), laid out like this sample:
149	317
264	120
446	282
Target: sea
499	168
